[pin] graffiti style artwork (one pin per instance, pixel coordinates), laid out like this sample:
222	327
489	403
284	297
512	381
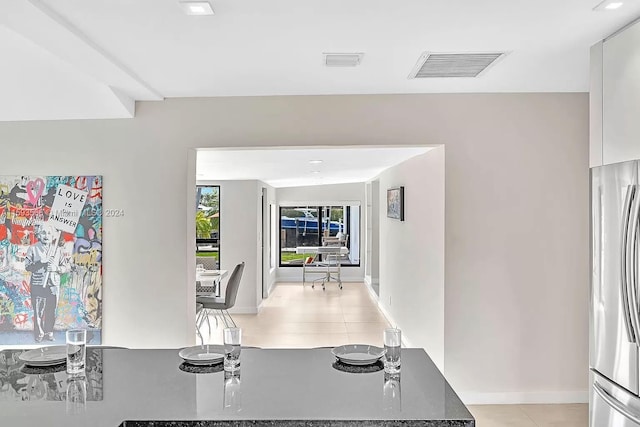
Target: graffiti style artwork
50	258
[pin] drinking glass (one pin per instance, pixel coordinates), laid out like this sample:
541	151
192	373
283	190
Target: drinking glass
392	339
391	393
76	351
199	268
232	342
76	395
232	391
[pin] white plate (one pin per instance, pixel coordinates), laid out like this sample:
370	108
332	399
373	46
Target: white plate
203	355
358	354
45	356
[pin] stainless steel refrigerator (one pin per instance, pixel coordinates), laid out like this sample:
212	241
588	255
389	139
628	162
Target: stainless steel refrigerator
614	320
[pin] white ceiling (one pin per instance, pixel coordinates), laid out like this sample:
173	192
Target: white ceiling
97	57
291	167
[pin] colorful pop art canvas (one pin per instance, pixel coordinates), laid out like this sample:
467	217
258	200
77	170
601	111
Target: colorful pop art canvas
50	258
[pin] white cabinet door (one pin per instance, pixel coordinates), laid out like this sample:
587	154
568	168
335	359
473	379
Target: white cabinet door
621	96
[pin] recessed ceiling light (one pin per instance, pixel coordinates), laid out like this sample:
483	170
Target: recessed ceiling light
342	59
609	5
315	162
196	7
315	171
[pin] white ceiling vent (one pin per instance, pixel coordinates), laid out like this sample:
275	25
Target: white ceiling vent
342	59
438	65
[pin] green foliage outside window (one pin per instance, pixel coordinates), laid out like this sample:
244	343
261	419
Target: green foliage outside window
204	227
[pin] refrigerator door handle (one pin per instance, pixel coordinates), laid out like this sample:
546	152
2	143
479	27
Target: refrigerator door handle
624	268
615	403
632	265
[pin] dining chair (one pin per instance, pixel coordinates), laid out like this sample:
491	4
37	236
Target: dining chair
199	308
222	305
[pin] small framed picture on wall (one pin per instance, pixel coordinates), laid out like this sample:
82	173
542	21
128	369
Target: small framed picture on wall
395	203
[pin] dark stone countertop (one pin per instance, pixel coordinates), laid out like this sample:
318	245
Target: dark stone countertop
154	388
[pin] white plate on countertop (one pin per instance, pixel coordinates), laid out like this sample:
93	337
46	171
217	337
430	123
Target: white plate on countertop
203	355
45	356
358	354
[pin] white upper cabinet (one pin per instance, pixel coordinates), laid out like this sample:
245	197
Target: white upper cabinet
595	107
620	97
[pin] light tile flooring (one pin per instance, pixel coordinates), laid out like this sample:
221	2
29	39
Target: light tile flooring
576	415
301	317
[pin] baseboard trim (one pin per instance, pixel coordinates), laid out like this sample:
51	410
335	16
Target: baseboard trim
282	279
534	397
406	342
373	294
244	310
273	285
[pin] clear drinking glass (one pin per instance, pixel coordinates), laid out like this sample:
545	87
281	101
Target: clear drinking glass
232	391
391	393
76	395
199	268
76	351
232	341
392	339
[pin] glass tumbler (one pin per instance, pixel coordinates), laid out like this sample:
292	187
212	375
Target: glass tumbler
392	339
232	342
76	351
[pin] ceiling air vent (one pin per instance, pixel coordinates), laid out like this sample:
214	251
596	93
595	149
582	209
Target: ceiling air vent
342	59
438	65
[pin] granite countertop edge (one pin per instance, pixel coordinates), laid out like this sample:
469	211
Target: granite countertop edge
300	423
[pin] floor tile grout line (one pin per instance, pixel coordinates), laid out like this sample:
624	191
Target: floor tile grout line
528	416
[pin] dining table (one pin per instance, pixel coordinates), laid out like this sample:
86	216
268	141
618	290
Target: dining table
274	387
329	268
211	276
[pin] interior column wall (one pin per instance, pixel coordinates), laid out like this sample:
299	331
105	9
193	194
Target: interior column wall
412	252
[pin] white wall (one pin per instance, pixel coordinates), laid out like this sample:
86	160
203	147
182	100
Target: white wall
372	221
412	252
322	194
239	226
269	273
516	215
517	251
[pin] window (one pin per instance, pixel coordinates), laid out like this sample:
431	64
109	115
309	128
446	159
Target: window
319	226
208	226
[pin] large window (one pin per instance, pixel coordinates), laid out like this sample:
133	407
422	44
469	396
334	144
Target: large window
302	226
208	226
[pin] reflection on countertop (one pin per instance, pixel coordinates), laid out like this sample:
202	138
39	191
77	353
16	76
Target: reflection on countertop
131	388
21	383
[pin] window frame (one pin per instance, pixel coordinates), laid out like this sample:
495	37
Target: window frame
199	240
319	209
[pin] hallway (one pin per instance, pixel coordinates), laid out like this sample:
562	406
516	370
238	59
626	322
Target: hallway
301	317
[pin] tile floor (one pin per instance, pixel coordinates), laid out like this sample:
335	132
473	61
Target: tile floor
301	317
575	415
